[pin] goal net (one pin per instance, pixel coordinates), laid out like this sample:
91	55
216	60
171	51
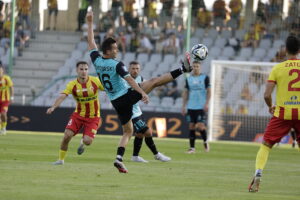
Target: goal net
238	111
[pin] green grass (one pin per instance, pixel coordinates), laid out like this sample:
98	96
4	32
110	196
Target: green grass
26	172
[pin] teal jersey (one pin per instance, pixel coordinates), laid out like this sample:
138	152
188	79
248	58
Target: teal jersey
197	87
111	74
136	112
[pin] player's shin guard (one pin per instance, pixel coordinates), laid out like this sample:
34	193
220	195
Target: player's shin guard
150	143
192	138
120	153
3	124
137	144
262	157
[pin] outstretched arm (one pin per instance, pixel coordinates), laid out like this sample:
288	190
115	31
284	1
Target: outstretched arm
57	102
91	40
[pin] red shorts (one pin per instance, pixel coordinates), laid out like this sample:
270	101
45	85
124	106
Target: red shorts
278	128
4	106
89	125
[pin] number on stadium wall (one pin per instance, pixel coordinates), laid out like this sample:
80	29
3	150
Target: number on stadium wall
294	81
235	130
107	84
174	129
112	120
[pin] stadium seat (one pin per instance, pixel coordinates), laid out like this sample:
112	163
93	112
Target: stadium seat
215	51
277	44
212	33
128	57
169	58
265	44
155	58
143	58
199	33
246	53
207	41
239	34
258	54
220	43
82	46
226	34
228	52
194	40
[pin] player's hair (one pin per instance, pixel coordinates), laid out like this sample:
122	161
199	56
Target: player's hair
197	62
81	63
134	63
106	44
292	45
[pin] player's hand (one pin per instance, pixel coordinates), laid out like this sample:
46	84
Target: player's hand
272	109
90	17
206	108
50	110
145	98
183	111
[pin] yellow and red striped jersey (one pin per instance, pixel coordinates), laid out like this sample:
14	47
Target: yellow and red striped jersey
5	85
287	77
86	96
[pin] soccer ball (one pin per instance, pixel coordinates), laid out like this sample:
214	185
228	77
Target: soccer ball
199	52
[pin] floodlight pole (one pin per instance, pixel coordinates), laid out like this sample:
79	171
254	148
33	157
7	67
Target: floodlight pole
12	37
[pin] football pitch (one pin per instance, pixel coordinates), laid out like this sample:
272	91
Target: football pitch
26	172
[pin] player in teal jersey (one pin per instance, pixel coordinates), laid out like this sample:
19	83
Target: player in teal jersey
114	75
140	127
196	98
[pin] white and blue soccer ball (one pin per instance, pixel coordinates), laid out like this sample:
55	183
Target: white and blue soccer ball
199	52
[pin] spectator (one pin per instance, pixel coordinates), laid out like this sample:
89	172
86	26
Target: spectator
196	5
152	15
234	43
280	55
24	8
82	12
106	22
172	90
167	6
122	25
4	42
236	7
128	9
219	10
251	38
134	42
121	41
260	12
171	45
227	110
242	110
21	39
273	10
2	11
180	34
153	32
203	18
245	93
52	8
145	45
168	29
135	20
116	6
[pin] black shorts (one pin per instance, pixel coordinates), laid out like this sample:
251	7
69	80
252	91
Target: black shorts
124	105
53	10
195	116
139	125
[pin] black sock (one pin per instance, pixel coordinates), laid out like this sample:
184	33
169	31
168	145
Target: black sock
175	73
137	144
120	153
203	135
150	143
192	138
293	134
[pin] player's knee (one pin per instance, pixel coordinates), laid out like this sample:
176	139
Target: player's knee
139	135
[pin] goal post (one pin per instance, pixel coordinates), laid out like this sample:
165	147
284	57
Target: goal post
237	108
